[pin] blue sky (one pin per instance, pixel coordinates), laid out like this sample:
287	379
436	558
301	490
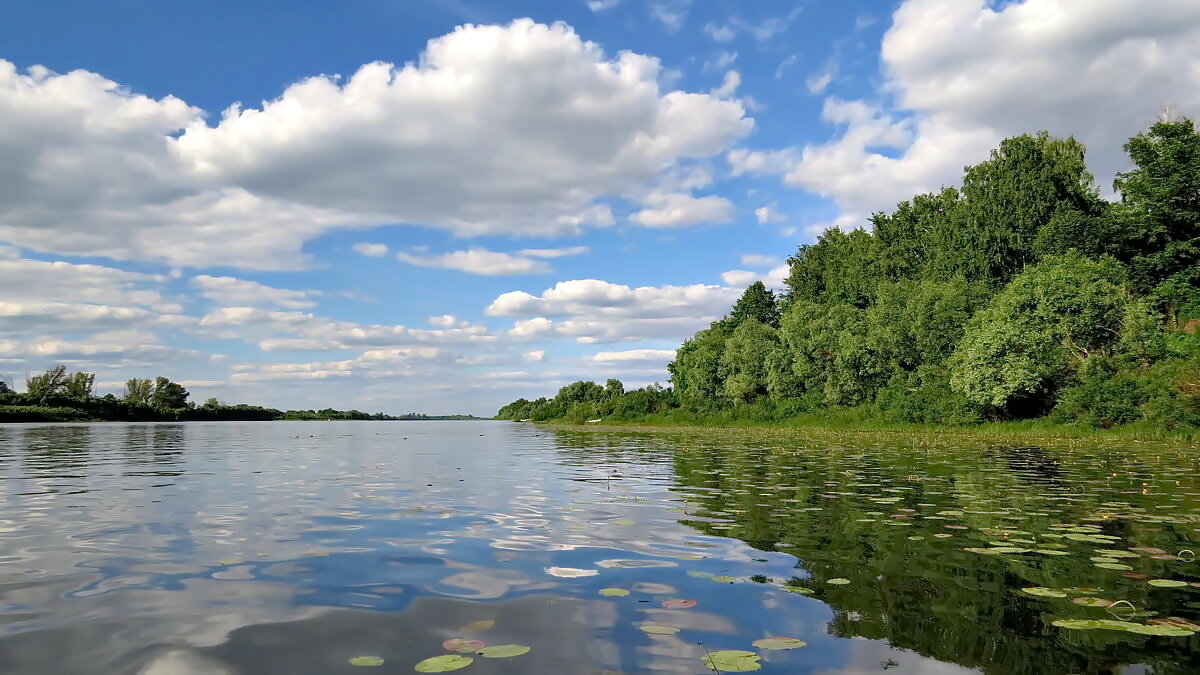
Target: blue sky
442	205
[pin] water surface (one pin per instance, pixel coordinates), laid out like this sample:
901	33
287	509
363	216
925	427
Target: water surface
294	547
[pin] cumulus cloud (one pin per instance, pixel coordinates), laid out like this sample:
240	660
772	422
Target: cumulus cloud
492	263
520	129
602	5
679	209
768	214
658	355
595	311
232	291
964	74
371	250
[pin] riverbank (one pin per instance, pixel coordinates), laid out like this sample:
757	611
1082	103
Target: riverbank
1025	430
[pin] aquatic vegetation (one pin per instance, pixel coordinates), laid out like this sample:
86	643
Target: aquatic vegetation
444	664
732	661
366	661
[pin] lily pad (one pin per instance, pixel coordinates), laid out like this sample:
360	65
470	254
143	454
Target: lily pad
838	581
462	645
614	592
678	604
444	663
658	629
1167	583
1161	631
503	651
798	589
779	643
725	579
368	661
1041	592
732	661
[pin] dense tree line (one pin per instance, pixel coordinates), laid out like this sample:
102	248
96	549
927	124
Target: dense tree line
1021	294
58	395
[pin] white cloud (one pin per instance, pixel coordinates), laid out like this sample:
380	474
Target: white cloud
966	73
783	66
602	5
761	31
819	81
760	260
662	355
721	61
520	129
553	252
232	291
679	209
371	250
479	261
535	355
773	278
729	85
594	311
670	13
768	214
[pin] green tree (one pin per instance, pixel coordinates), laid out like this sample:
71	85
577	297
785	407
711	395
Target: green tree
138	391
757	303
1019	350
168	395
78	386
743	364
840	268
614	388
695	372
52	382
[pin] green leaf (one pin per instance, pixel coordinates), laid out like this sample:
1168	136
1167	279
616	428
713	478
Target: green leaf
1167	583
444	663
503	651
1041	592
732	661
779	643
614	592
368	661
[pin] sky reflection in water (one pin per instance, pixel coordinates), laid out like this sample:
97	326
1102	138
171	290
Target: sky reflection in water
293	547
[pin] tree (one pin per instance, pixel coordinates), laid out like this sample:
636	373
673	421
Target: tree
168	395
211	403
1019	350
743	364
756	303
583	391
50	383
78	386
695	372
139	391
1011	196
613	388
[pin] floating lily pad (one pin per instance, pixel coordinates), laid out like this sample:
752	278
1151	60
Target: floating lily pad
658	629
678	604
699	574
725	579
570	572
444	663
462	645
798	589
503	651
367	661
1114	566
1161	631
614	592
779	643
1041	592
838	581
732	661
1167	583
1092	602
477	626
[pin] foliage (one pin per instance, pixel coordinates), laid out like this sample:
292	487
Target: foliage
1021	294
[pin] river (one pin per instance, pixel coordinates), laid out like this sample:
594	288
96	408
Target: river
384	547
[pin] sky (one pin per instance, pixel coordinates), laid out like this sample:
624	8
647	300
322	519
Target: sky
440	206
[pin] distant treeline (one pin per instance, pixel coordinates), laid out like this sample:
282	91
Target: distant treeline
58	395
1022	295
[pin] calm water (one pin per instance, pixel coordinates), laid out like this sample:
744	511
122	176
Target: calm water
295	547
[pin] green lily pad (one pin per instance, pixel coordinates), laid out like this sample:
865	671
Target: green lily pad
444	663
798	589
1161	631
732	661
1114	566
725	579
368	661
1092	602
700	574
838	581
614	592
462	645
658	629
779	643
1167	583
1041	592
503	651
